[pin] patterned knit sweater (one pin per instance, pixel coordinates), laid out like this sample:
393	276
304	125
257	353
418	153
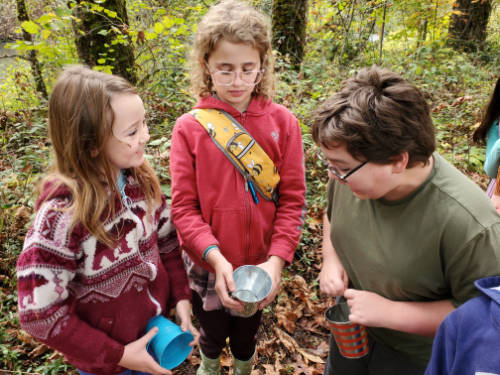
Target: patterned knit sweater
88	300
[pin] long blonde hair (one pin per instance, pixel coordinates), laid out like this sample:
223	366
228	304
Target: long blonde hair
80	122
235	22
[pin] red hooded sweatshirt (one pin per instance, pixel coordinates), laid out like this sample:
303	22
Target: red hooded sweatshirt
211	204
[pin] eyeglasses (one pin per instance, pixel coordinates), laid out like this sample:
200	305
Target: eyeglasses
227	77
335	171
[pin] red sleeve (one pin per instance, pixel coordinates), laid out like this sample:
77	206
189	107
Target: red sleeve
291	205
168	245
195	234
46	307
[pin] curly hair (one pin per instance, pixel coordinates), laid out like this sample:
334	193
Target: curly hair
235	22
377	115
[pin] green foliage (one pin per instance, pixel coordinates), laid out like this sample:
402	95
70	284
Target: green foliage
342	37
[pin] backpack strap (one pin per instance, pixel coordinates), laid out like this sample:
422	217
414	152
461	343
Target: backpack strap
242	150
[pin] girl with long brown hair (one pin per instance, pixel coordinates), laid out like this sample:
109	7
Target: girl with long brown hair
101	257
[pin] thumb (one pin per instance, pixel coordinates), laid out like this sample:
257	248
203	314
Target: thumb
149	335
156	369
230	282
184	325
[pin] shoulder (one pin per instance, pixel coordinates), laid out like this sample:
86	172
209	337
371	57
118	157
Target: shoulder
458	192
281	111
185	120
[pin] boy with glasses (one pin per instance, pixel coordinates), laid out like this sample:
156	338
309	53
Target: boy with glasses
405	233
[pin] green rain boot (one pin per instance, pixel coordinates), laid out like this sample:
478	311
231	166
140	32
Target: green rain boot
208	366
243	367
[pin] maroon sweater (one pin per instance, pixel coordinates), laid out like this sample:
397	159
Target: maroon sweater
88	300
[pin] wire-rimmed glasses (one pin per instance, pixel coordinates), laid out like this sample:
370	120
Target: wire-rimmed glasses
227	77
335	171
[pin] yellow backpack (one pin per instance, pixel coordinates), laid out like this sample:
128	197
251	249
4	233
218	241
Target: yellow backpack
242	150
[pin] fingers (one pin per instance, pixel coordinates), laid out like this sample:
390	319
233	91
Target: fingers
349	294
196	336
332	286
230	303
148	336
156	369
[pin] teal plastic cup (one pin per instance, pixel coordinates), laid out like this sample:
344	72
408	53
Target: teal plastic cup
170	346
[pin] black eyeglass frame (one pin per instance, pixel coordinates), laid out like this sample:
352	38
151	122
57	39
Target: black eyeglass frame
342	178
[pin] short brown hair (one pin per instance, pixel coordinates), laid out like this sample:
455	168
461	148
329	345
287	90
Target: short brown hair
235	22
377	115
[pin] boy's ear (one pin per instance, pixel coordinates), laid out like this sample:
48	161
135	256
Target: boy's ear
399	162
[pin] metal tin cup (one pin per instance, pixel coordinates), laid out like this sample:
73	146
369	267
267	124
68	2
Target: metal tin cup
253	284
351	338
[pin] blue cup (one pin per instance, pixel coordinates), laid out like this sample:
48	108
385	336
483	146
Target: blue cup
170	346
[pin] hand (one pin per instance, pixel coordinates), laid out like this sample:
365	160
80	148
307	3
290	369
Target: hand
136	357
333	279
368	308
183	314
273	267
224	281
495	199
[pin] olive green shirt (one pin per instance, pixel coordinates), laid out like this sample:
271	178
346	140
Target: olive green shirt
431	245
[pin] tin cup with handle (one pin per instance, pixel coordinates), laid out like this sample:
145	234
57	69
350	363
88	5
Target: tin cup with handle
351	338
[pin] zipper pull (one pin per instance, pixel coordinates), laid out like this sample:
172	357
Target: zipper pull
252	190
246	184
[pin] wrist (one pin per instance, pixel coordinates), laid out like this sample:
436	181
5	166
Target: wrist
277	261
214	257
208	250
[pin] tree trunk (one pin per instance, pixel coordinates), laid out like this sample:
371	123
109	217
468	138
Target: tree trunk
36	70
289	29
468	24
382	35
101	37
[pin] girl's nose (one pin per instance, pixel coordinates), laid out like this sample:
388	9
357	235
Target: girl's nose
237	78
144	134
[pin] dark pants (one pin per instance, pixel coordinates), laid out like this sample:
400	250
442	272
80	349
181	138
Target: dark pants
380	360
217	325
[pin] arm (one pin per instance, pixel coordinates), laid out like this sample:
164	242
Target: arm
495	198
492	160
195	235
45	268
333	279
290	213
289	218
168	246
373	310
183	314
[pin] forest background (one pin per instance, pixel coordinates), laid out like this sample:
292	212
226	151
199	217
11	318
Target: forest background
449	49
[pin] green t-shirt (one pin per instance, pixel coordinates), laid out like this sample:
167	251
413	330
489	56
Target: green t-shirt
431	245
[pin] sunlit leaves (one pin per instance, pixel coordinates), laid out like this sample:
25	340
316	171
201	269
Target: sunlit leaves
30	27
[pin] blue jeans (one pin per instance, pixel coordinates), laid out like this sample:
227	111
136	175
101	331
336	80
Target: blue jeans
126	372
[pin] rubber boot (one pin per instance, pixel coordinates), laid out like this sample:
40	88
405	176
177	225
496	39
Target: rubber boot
208	366
243	367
